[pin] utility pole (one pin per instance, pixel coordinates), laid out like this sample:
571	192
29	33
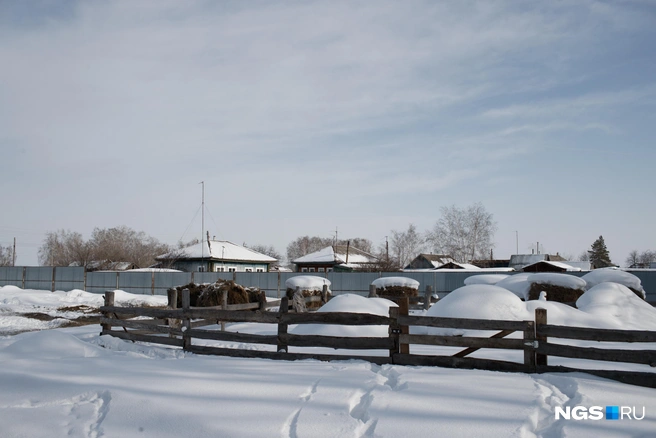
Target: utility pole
386	250
202	230
13	254
517	242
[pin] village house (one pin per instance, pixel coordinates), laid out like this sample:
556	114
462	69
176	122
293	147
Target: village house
336	258
216	256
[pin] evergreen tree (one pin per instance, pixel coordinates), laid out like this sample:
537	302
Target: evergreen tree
599	256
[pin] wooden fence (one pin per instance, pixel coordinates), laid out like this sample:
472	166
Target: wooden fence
178	327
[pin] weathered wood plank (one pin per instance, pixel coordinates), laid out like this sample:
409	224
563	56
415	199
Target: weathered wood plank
647	357
282	326
593	334
337	342
468	351
340	318
247	338
462	323
144	338
380	360
142	325
463	341
458	362
637	378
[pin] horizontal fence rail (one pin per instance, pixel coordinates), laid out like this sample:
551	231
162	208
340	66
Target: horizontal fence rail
180	326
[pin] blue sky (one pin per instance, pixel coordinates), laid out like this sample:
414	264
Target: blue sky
305	116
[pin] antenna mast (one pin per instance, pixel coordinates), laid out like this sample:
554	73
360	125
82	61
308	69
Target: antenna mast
202	215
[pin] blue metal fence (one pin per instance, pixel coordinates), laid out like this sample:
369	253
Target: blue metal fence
273	283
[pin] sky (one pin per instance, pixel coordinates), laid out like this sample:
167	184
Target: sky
73	382
304	117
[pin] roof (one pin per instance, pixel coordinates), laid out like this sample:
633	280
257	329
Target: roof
456	265
337	254
436	260
218	250
557	265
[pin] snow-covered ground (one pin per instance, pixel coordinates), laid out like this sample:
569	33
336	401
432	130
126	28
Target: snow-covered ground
73	382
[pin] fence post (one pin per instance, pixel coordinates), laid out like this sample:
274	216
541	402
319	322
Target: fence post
282	326
529	346
118	283
109	302
372	291
540	319
298	301
324	294
172	303
404	306
428	296
152	283
278	284
53	278
23	282
394	331
186	303
224	306
262	300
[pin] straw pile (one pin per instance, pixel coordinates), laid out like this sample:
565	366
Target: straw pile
396	292
210	294
308	293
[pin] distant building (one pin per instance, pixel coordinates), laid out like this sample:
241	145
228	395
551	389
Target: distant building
107	265
549	266
336	258
456	265
216	256
491	264
518	261
429	261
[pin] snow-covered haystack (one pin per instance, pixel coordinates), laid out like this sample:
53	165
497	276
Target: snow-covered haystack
517	284
396	287
614	301
613	275
353	304
310	285
485	279
211	294
477	301
562	288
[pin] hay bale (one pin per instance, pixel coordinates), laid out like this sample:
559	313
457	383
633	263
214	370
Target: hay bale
307	293
396	292
559	294
211	294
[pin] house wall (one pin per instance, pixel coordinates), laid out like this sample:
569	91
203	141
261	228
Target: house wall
216	266
315	267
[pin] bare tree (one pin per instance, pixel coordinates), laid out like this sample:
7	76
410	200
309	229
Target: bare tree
464	233
120	244
123	244
647	258
584	257
404	246
6	256
267	250
633	258
64	247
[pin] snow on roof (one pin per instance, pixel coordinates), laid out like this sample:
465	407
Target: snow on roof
153	270
307	282
613	275
485	279
218	250
459	266
395	281
337	254
558	279
562	265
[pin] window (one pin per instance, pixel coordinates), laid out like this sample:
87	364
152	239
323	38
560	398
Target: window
329	270
311	269
304	270
201	269
219	269
248	270
232	269
321	270
259	270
